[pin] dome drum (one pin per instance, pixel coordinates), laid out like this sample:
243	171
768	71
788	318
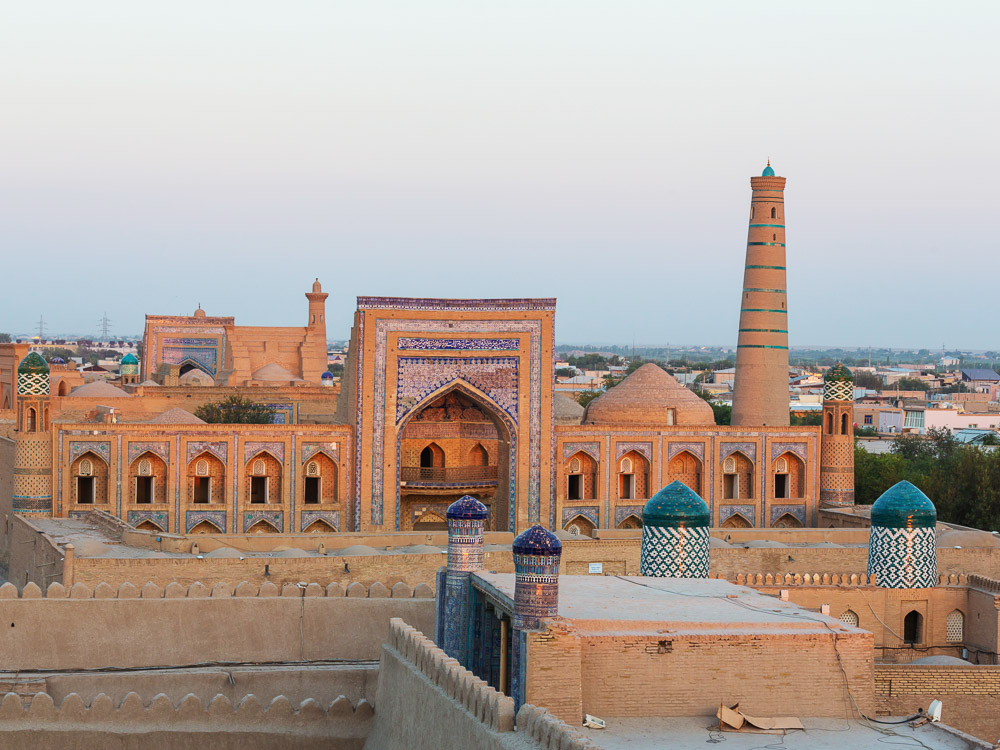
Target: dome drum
466	521
675	534
902	548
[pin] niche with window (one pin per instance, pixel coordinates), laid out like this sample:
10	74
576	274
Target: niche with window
264	480
207	480
789	477
913	628
737	477
633	476
955	627
320	483
89	475
581	475
685	467
148	474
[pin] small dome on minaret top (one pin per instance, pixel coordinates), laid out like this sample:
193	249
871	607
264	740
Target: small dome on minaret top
768	171
199	313
317	287
838	372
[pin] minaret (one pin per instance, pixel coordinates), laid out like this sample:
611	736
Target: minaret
836	463
760	393
33	444
314	346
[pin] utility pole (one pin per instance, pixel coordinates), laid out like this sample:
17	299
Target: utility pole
41	327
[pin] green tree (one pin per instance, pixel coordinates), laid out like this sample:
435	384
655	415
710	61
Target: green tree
566	372
723	412
236	410
4	338
813	419
912	384
337	369
868	380
586	397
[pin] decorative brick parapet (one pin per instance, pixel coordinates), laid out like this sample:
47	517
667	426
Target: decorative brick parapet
851	579
492	708
242	589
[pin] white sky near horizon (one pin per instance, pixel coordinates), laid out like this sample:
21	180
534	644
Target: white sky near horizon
160	155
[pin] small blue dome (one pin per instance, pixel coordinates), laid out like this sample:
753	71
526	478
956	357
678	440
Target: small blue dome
904	506
468	507
327	375
674	506
129	359
537	541
768	172
57	361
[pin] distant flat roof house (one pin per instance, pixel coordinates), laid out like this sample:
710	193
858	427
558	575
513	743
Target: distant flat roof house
980	376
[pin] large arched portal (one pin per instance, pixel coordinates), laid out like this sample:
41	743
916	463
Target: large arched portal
457	443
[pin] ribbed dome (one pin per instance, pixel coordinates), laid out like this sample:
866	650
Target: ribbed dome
674	506
468	507
768	171
129	359
33	364
838	372
904	506
645	398
537	541
98	389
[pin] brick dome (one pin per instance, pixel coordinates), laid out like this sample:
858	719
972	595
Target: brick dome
646	397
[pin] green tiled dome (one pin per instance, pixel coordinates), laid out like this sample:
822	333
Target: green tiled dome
676	505
904	506
839	372
33	364
129	359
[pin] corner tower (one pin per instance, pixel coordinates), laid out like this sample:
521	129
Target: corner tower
760	394
33	444
836	464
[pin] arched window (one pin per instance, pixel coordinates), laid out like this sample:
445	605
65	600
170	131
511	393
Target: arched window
955	627
843	423
829	423
478	456
145	467
737	477
850	617
751	212
32	421
312	470
913	628
774	213
574	465
432	456
201	468
259	468
626	465
86	468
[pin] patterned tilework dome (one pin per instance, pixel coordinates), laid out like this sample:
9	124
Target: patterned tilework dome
33	376
838	372
650	395
466	519
675	534
902	548
129	359
536	577
768	171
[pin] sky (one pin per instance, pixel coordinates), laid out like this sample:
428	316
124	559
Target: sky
160	155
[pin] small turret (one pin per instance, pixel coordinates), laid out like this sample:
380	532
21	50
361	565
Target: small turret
537	552
466	521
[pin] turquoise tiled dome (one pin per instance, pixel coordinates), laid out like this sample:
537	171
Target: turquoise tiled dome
33	364
129	359
768	172
674	506
904	506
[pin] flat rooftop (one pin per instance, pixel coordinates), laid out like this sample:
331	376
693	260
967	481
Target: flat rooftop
639	604
819	734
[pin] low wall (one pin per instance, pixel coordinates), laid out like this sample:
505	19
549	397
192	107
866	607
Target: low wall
163	725
180	626
970	694
427	701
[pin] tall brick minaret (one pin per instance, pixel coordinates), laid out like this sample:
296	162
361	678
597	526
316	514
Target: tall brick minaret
760	393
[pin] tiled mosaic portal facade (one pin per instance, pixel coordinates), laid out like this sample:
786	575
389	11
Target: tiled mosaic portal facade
903	558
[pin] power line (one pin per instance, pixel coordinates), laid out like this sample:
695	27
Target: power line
105	323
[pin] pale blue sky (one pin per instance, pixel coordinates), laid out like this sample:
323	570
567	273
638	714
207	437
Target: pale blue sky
157	155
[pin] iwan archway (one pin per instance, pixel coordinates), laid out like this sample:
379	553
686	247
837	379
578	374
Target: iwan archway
455	442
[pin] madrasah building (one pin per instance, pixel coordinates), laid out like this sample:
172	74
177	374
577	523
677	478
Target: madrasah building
440	398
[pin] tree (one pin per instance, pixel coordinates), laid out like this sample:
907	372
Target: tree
723	412
586	397
236	410
867	380
912	384
337	369
4	338
813	419
564	372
